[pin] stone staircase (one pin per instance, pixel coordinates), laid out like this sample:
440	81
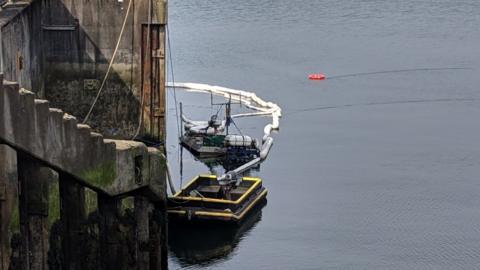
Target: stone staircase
112	167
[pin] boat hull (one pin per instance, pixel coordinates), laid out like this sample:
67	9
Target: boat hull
195	145
183	206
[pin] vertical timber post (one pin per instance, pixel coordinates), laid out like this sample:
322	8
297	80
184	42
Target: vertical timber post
153	73
8	201
33	213
158	238
72	213
143	209
110	250
4	238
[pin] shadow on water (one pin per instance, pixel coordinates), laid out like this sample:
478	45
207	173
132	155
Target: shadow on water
207	243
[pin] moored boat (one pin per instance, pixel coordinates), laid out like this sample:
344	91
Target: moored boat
212	138
205	198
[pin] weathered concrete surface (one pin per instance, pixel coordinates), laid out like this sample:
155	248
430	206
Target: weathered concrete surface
110	166
45	137
110	238
77	60
21	54
61	49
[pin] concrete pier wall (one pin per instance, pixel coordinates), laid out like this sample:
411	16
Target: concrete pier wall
112	167
21	57
80	38
62	49
36	140
51	165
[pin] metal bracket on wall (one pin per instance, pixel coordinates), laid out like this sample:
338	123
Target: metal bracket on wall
138	170
19	61
159	112
59	27
158	54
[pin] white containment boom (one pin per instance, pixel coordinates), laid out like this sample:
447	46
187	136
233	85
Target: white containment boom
249	99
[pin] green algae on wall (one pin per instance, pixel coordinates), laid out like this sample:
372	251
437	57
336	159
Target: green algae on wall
126	204
14	221
53	202
102	176
90	201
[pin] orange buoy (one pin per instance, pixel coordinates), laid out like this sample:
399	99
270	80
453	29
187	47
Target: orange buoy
316	77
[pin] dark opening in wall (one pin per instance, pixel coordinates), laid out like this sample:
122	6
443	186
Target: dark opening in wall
138	169
19	61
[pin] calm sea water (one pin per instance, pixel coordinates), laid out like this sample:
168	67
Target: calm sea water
375	170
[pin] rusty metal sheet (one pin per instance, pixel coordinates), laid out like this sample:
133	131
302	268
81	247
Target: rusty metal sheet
153	80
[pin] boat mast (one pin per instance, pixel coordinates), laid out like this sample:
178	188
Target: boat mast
228	113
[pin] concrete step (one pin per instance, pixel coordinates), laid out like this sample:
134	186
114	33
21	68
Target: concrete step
84	128
60	141
41	114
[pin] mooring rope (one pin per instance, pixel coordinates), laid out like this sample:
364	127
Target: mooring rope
110	64
169	175
173	80
396	71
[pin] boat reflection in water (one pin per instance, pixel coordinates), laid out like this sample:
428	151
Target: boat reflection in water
209	242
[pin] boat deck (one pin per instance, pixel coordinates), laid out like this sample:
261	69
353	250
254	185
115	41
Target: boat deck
203	198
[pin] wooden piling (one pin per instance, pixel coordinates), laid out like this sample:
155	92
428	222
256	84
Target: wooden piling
143	210
158	238
3	229
8	201
33	180
73	215
110	249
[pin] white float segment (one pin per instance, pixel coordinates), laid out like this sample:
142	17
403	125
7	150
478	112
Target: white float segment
250	100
